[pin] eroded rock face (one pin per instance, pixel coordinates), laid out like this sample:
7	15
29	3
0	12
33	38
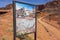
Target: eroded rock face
40	7
53	5
2	13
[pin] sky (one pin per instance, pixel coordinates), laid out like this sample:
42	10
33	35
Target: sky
5	2
27	7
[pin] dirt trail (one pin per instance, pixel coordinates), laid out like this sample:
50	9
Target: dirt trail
46	31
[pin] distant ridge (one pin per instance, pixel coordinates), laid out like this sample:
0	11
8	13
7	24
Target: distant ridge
53	5
9	6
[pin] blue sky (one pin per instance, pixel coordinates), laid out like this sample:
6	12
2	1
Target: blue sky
27	7
5	2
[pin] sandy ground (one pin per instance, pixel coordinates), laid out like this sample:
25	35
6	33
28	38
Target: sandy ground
46	31
6	26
